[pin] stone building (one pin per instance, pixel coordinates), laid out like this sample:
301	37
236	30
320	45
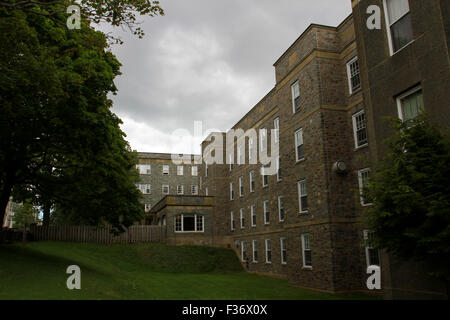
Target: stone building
325	115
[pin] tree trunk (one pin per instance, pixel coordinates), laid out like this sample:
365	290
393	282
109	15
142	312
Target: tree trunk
4	199
46	218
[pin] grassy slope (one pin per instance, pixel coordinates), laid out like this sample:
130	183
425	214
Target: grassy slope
140	271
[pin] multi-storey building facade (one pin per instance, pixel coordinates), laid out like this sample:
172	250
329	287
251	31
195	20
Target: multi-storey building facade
325	114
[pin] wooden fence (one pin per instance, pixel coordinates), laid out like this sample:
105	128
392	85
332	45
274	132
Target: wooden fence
135	233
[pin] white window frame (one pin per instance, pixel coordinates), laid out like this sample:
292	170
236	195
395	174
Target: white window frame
242	218
194	171
300	194
231	191
266	212
403	96
206	169
283	248
232	221
168	189
268	248
276	127
253	215
144	168
147	207
388	29
241	186
304	249
281	207
264	184
263	139
178	189
180	170
166	169
368	247
349	75
296	83
279	177
145	188
355	128
196	229
243	252
297	144
255	250
206	191
194	189
361	186
252	181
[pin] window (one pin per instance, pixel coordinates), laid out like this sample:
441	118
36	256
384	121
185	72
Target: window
145	188
279	172
295	91
230	161
359	129
180	189
147	207
252	181
283	250
306	249
165	189
410	104
206	191
243	252
299	148
194	189
276	127
262	139
189	223
372	254
363	180
165	169
255	250
253	215
268	251
231	191
233	223
251	146
302	196
399	26
265	177
354	80
206	170
180	170
144	168
266	212
194	170
280	208
241	186
242	218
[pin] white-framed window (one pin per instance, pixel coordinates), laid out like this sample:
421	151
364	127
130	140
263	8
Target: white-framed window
255	250
165	169
239	155
180	189
180	170
194	189
279	172
252	181
144	168
231	191
262	139
206	169
299	146
276	127
268	251
295	92
363	180
145	188
306	250
354	79
372	254
280	208
251	151
253	215
194	170
283	250
243	252
206	191
266	212
359	129
147	207
230	161
410	104
233	222
302	196
165	189
241	186
189	223
242	218
265	177
399	26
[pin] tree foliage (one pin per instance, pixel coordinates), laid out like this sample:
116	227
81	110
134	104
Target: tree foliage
410	190
59	141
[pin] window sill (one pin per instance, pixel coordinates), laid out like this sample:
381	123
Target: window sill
361	147
401	49
366	204
307	268
283	263
268	262
187	232
355	91
300	160
265	186
303	213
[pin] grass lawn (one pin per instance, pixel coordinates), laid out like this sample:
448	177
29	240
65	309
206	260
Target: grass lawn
139	271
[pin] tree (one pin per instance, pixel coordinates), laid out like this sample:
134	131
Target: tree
59	141
410	191
25	214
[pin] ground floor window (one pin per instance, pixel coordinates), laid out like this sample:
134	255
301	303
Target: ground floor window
268	251
372	254
189	223
306	248
243	252
283	250
255	250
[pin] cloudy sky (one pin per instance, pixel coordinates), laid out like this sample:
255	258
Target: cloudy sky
208	61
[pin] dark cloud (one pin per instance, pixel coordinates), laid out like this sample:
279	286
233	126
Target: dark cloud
206	60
